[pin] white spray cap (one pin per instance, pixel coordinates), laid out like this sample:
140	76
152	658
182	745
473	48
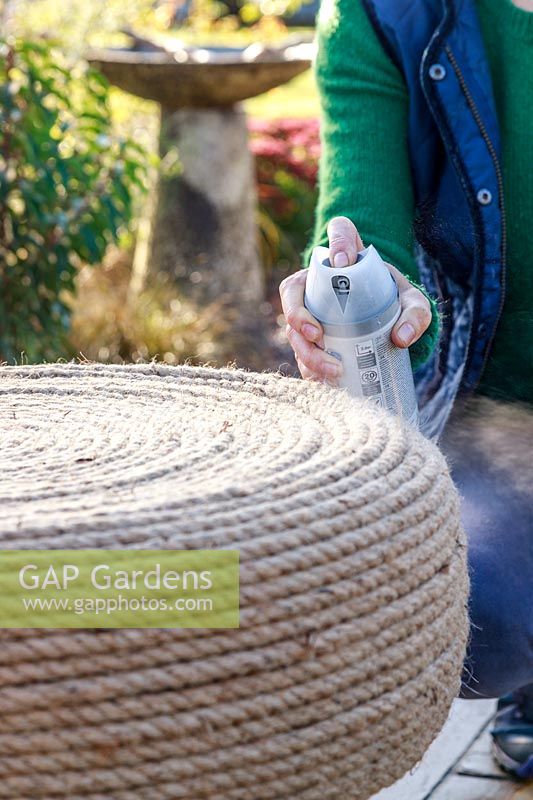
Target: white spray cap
353	294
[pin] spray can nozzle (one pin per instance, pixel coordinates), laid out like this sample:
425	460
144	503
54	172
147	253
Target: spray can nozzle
358	292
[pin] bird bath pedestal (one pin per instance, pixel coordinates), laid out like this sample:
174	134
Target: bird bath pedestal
203	234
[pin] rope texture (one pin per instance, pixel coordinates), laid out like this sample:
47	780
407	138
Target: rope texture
353	587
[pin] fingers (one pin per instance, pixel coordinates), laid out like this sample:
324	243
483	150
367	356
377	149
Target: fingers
306	373
344	242
416	312
305	333
317	364
309	375
291	291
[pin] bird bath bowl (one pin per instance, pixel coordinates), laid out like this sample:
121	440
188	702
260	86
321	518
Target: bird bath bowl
203	236
202	77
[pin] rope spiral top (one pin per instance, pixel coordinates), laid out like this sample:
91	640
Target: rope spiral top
353	587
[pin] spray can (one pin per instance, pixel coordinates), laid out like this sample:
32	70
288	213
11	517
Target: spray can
357	307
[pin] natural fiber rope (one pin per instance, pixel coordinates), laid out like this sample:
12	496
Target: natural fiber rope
353	587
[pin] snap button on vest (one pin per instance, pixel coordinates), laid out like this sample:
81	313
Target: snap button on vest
484	197
437	72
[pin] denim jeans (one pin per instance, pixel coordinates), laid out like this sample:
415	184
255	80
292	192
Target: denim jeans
489	446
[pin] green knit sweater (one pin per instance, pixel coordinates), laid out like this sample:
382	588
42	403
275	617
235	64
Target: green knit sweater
365	172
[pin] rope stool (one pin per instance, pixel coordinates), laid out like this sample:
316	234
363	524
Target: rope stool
353	587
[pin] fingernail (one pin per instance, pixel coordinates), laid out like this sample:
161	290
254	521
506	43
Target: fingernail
406	333
310	331
333	371
340	260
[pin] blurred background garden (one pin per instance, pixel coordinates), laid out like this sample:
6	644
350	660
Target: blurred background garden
135	228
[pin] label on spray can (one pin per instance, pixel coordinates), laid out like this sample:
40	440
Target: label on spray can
358	307
374	368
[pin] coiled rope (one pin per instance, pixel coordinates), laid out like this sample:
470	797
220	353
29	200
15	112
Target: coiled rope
353	587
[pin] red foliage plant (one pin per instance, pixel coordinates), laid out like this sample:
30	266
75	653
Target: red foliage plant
291	146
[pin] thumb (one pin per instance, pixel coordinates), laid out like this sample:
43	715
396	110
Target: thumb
344	242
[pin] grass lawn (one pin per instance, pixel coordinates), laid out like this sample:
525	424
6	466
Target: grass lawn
298	98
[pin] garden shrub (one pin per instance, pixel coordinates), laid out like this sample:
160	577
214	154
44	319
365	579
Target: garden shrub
67	186
286	153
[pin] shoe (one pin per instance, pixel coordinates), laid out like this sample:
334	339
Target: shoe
512	738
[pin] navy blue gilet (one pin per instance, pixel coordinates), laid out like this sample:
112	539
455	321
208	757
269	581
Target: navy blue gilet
454	146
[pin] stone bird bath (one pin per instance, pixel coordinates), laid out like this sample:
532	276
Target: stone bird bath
203	234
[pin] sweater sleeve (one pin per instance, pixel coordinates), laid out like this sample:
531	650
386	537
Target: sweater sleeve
364	171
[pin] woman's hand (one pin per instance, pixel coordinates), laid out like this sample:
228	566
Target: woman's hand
305	333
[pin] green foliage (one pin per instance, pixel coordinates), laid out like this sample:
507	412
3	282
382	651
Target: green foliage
75	24
79	23
67	187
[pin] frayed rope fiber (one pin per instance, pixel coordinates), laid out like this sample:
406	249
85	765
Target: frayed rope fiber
353	587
